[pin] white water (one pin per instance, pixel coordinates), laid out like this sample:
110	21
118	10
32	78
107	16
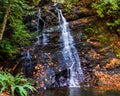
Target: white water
38	22
39	17
45	39
28	56
70	53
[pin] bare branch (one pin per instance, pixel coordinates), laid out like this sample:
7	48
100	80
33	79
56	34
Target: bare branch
2	29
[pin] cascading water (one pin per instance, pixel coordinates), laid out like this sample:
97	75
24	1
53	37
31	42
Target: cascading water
70	53
65	53
27	58
40	26
28	66
45	40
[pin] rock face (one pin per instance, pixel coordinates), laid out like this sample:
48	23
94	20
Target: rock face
101	65
97	60
76	17
44	54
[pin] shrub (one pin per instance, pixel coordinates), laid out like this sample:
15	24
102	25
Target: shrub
109	9
16	85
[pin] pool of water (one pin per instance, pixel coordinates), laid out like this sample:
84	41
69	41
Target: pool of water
77	92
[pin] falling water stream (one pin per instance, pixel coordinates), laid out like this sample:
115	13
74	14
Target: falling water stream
70	53
68	58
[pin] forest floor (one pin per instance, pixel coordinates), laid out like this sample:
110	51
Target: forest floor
101	63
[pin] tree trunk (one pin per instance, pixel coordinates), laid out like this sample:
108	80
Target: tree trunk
2	29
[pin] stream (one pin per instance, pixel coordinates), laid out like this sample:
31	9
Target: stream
77	92
70	54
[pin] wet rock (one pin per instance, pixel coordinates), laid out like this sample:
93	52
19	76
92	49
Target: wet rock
80	23
45	2
60	79
58	5
71	16
84	13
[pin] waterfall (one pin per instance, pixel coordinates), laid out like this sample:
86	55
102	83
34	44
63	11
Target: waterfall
28	66
27	58
38	24
40	29
70	53
45	39
68	72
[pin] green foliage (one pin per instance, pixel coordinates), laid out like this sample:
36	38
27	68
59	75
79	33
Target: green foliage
17	85
71	1
97	31
89	31
20	35
7	48
18	38
16	34
109	9
67	7
67	4
114	24
18	9
117	51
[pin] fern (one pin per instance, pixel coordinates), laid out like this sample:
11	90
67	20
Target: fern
14	84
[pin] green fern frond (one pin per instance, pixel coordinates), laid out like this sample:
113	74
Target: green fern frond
15	84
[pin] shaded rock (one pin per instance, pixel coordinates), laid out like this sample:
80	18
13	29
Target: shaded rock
78	13
79	23
60	79
58	5
44	2
84	13
71	16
